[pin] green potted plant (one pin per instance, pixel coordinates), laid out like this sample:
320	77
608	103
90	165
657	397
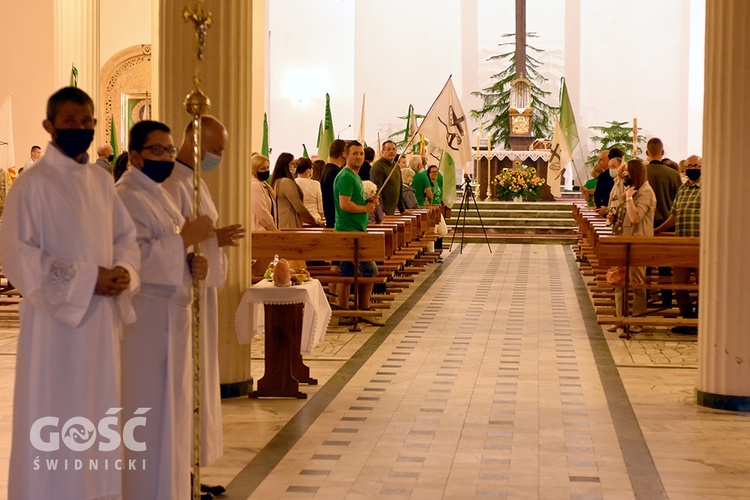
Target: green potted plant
614	135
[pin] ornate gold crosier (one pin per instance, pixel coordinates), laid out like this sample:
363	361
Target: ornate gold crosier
197	104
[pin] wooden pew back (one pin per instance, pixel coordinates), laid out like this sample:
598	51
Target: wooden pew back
309	245
668	251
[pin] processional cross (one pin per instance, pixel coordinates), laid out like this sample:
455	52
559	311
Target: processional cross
197	104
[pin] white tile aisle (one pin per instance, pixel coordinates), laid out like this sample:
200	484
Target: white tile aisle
486	388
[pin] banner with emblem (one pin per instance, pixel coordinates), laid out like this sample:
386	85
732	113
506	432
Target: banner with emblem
559	160
445	126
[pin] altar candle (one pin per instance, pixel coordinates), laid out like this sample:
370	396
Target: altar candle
478	145
489	171
489	144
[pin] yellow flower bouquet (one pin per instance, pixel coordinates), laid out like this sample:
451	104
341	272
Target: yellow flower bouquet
514	182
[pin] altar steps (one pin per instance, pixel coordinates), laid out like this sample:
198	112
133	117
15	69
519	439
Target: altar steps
549	223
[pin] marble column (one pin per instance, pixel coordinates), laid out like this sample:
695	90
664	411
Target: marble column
76	42
232	77
723	340
76	36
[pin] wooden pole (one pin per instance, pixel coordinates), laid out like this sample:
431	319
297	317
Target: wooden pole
520	38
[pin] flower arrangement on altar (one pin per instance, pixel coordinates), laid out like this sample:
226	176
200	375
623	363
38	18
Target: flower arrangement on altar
518	182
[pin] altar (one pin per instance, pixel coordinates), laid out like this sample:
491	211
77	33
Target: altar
488	164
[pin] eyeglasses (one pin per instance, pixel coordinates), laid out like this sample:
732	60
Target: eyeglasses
159	150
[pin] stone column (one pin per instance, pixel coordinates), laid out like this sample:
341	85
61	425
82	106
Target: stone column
723	340
232	75
76	36
76	41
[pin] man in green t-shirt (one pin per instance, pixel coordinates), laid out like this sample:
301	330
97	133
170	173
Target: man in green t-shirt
351	215
421	185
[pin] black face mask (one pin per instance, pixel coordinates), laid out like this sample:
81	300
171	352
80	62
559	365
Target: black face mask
74	141
264	175
627	181
157	170
693	173
110	158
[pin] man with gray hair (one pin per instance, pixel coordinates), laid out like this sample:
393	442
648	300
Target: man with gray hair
685	216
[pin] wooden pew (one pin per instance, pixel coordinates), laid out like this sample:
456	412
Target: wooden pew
653	251
326	245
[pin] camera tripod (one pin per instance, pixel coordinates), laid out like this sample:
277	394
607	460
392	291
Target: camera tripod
468	193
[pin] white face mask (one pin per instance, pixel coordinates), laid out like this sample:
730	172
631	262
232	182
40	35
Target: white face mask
210	162
613	173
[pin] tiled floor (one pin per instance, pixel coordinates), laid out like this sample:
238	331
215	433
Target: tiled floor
491	378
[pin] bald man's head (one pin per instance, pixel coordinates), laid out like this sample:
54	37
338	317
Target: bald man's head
694	161
105	151
214	139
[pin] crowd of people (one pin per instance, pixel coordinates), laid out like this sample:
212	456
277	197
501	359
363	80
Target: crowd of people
646	199
403	183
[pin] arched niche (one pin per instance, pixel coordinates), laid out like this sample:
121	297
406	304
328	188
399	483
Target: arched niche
125	92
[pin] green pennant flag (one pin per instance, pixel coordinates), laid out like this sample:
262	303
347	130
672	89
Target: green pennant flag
264	145
325	133
113	139
567	119
304	151
408	132
73	76
448	169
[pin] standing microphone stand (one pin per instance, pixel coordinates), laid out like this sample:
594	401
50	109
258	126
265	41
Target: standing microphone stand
468	193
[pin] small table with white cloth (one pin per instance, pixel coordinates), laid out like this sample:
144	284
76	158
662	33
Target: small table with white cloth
294	319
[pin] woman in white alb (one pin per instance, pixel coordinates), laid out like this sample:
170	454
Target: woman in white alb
312	197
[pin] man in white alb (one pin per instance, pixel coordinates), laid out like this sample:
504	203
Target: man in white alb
156	349
68	245
179	185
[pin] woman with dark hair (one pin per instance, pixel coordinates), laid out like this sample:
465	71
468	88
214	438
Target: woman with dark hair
121	165
292	211
640	207
312	196
436	184
317	168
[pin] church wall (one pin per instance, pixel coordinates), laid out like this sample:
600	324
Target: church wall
634	63
311	52
405	53
123	24
27	69
397	53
